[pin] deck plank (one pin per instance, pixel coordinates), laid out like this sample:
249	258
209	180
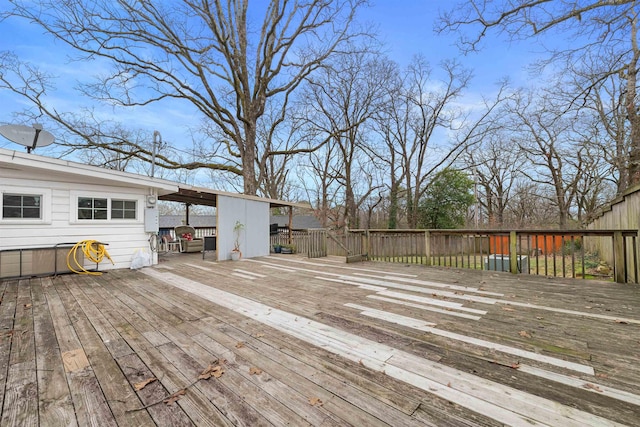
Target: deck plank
89	403
21	390
7	318
135	330
308	342
54	396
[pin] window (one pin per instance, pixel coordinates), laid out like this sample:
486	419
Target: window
92	208
123	209
21	206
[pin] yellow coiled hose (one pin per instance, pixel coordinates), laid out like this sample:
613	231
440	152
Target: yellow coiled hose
93	250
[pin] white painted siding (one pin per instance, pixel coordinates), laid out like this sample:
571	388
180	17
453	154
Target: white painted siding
254	239
60	224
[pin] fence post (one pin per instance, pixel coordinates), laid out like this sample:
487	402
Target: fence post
365	246
513	252
427	247
635	259
618	256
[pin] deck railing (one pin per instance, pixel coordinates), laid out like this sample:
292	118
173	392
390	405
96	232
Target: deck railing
603	254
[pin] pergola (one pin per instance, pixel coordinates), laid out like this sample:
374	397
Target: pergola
190	195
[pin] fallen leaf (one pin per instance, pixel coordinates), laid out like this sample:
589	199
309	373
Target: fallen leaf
259	335
240	345
315	401
507	309
27	306
174	397
448	384
211	371
588	307
524	334
139	386
539	317
602	375
512	366
592	387
360	362
254	371
622	322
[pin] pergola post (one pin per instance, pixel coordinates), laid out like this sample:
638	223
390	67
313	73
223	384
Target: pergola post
290	225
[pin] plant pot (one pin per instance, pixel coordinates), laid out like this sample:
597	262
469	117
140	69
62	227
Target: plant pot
235	255
286	250
277	249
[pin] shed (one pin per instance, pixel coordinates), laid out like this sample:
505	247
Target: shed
252	212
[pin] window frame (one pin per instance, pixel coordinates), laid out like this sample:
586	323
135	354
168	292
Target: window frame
124	209
45	204
75	196
93	209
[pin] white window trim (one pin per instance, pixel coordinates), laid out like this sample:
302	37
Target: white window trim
45	205
73	207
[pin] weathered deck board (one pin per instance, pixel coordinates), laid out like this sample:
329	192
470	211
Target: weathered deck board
21	395
54	396
89	403
302	342
135	330
7	318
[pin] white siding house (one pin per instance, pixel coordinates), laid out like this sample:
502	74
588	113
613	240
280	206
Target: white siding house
46	201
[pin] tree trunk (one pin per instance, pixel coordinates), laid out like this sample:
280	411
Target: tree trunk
632	109
393	206
249	161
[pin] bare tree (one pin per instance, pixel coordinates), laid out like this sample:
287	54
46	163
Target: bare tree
604	33
545	137
321	183
340	101
497	167
206	53
595	185
530	206
610	127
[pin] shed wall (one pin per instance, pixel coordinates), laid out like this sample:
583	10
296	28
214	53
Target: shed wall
254	238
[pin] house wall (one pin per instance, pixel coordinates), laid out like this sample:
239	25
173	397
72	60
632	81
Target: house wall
254	239
59	223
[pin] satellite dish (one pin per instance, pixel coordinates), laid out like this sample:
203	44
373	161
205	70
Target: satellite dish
27	136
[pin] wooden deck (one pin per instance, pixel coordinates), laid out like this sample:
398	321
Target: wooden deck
285	340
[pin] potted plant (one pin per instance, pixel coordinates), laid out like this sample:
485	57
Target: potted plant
236	254
277	248
288	249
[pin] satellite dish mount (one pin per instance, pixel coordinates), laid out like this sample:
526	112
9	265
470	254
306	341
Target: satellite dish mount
27	136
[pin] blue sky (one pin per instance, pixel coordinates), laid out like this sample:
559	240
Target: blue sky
405	26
